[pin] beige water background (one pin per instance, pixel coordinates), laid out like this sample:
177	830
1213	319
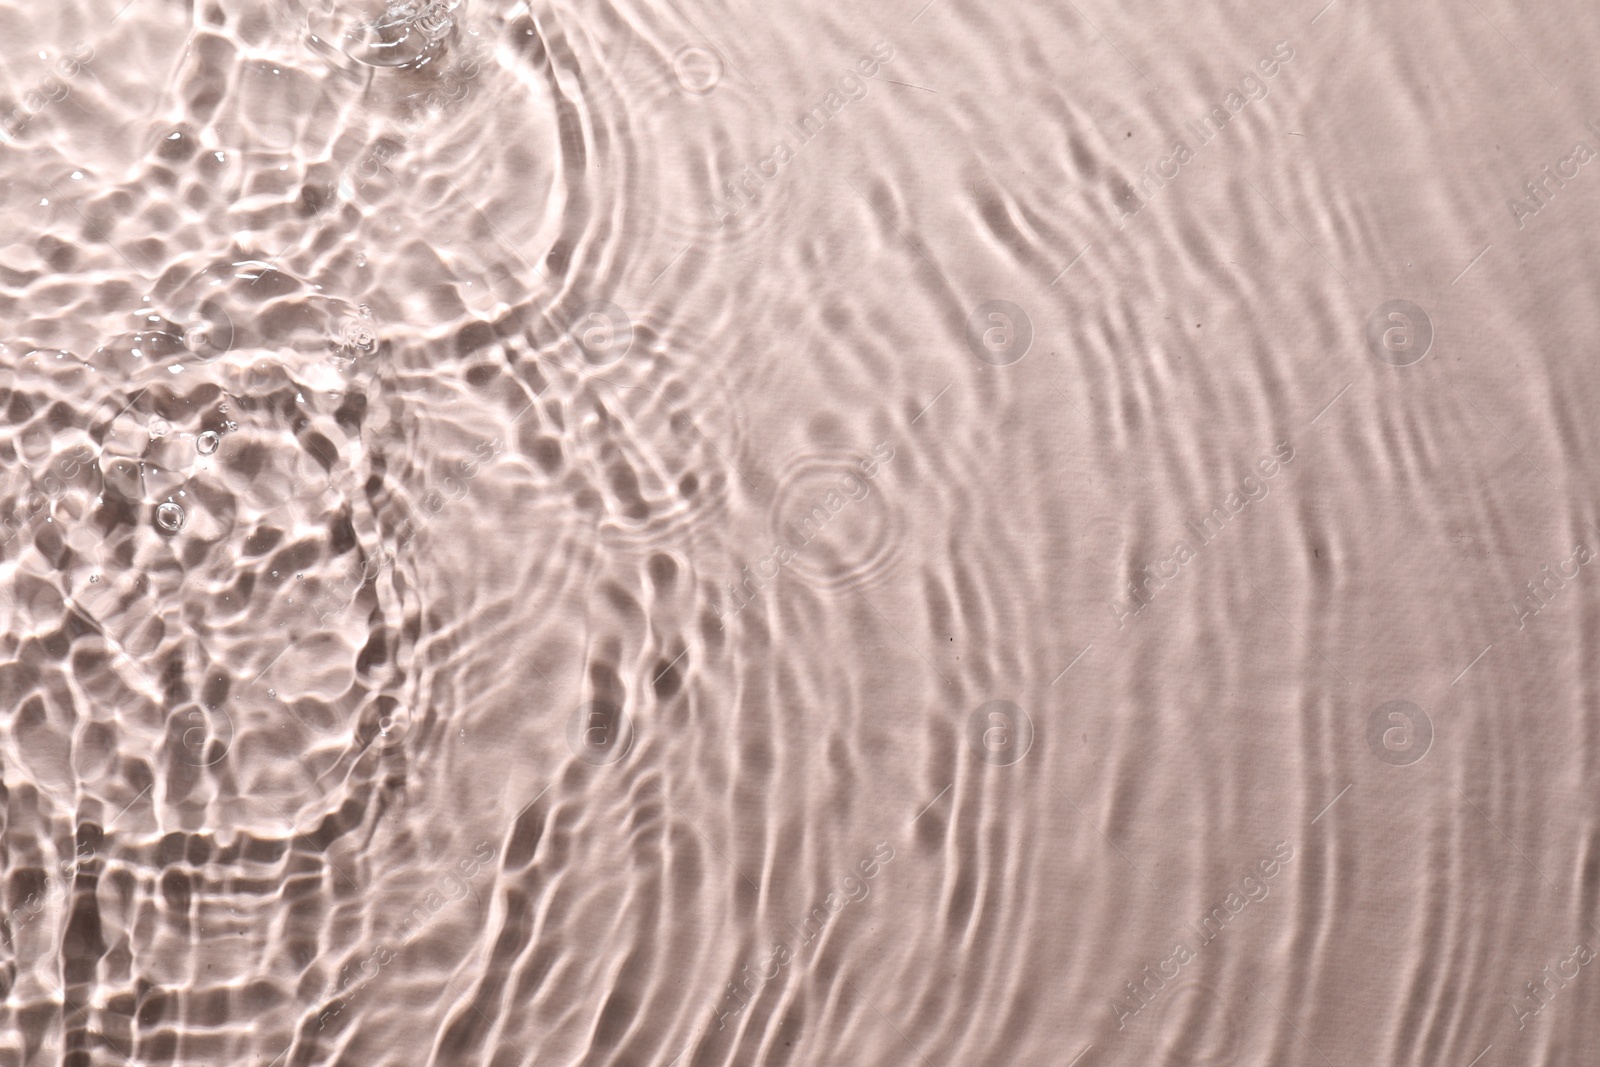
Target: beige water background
945	533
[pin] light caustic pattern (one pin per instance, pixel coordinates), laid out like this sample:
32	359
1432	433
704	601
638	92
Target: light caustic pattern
678	533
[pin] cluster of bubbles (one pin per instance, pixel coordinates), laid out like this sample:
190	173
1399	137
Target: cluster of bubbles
207	333
396	33
357	336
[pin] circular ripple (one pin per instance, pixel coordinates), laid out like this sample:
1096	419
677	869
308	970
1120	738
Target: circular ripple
698	69
718	191
832	524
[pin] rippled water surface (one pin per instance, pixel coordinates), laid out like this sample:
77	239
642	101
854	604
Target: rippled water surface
680	533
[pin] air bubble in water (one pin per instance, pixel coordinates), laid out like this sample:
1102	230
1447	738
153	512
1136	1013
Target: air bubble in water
358	335
207	442
169	517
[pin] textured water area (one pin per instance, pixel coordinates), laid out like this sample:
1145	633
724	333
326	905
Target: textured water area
936	533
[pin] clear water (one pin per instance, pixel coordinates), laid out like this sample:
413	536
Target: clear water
673	532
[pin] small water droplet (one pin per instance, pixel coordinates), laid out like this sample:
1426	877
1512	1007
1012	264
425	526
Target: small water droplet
207	442
169	517
272	693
